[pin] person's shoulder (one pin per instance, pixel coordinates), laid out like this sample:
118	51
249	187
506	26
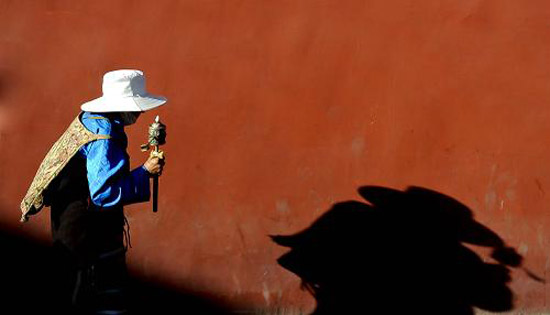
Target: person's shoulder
97	123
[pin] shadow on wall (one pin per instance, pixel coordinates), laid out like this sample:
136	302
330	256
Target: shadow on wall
29	286
401	253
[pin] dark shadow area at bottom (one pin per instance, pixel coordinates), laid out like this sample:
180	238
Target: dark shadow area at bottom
403	252
30	287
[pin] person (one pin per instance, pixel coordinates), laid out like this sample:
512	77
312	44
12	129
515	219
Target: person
87	197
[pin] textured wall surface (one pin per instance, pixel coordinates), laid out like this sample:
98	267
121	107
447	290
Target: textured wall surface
279	109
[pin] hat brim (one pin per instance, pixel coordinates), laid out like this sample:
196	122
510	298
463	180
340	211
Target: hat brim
124	104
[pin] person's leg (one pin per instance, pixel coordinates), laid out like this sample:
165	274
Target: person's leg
103	285
64	278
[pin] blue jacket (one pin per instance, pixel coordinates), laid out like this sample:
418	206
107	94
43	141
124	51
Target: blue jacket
110	180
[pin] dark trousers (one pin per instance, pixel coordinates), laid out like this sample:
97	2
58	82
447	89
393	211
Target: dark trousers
93	287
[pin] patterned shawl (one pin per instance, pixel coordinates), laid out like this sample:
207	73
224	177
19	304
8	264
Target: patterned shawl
57	158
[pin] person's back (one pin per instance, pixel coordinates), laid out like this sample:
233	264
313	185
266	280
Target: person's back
79	225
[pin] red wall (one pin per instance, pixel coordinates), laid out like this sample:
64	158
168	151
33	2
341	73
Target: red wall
278	109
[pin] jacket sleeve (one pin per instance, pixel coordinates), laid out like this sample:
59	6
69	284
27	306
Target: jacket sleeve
110	182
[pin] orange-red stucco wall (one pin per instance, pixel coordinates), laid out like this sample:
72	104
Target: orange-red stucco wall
278	109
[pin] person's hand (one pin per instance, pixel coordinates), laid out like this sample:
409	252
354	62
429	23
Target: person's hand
154	165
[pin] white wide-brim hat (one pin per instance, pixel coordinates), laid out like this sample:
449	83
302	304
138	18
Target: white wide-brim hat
124	91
